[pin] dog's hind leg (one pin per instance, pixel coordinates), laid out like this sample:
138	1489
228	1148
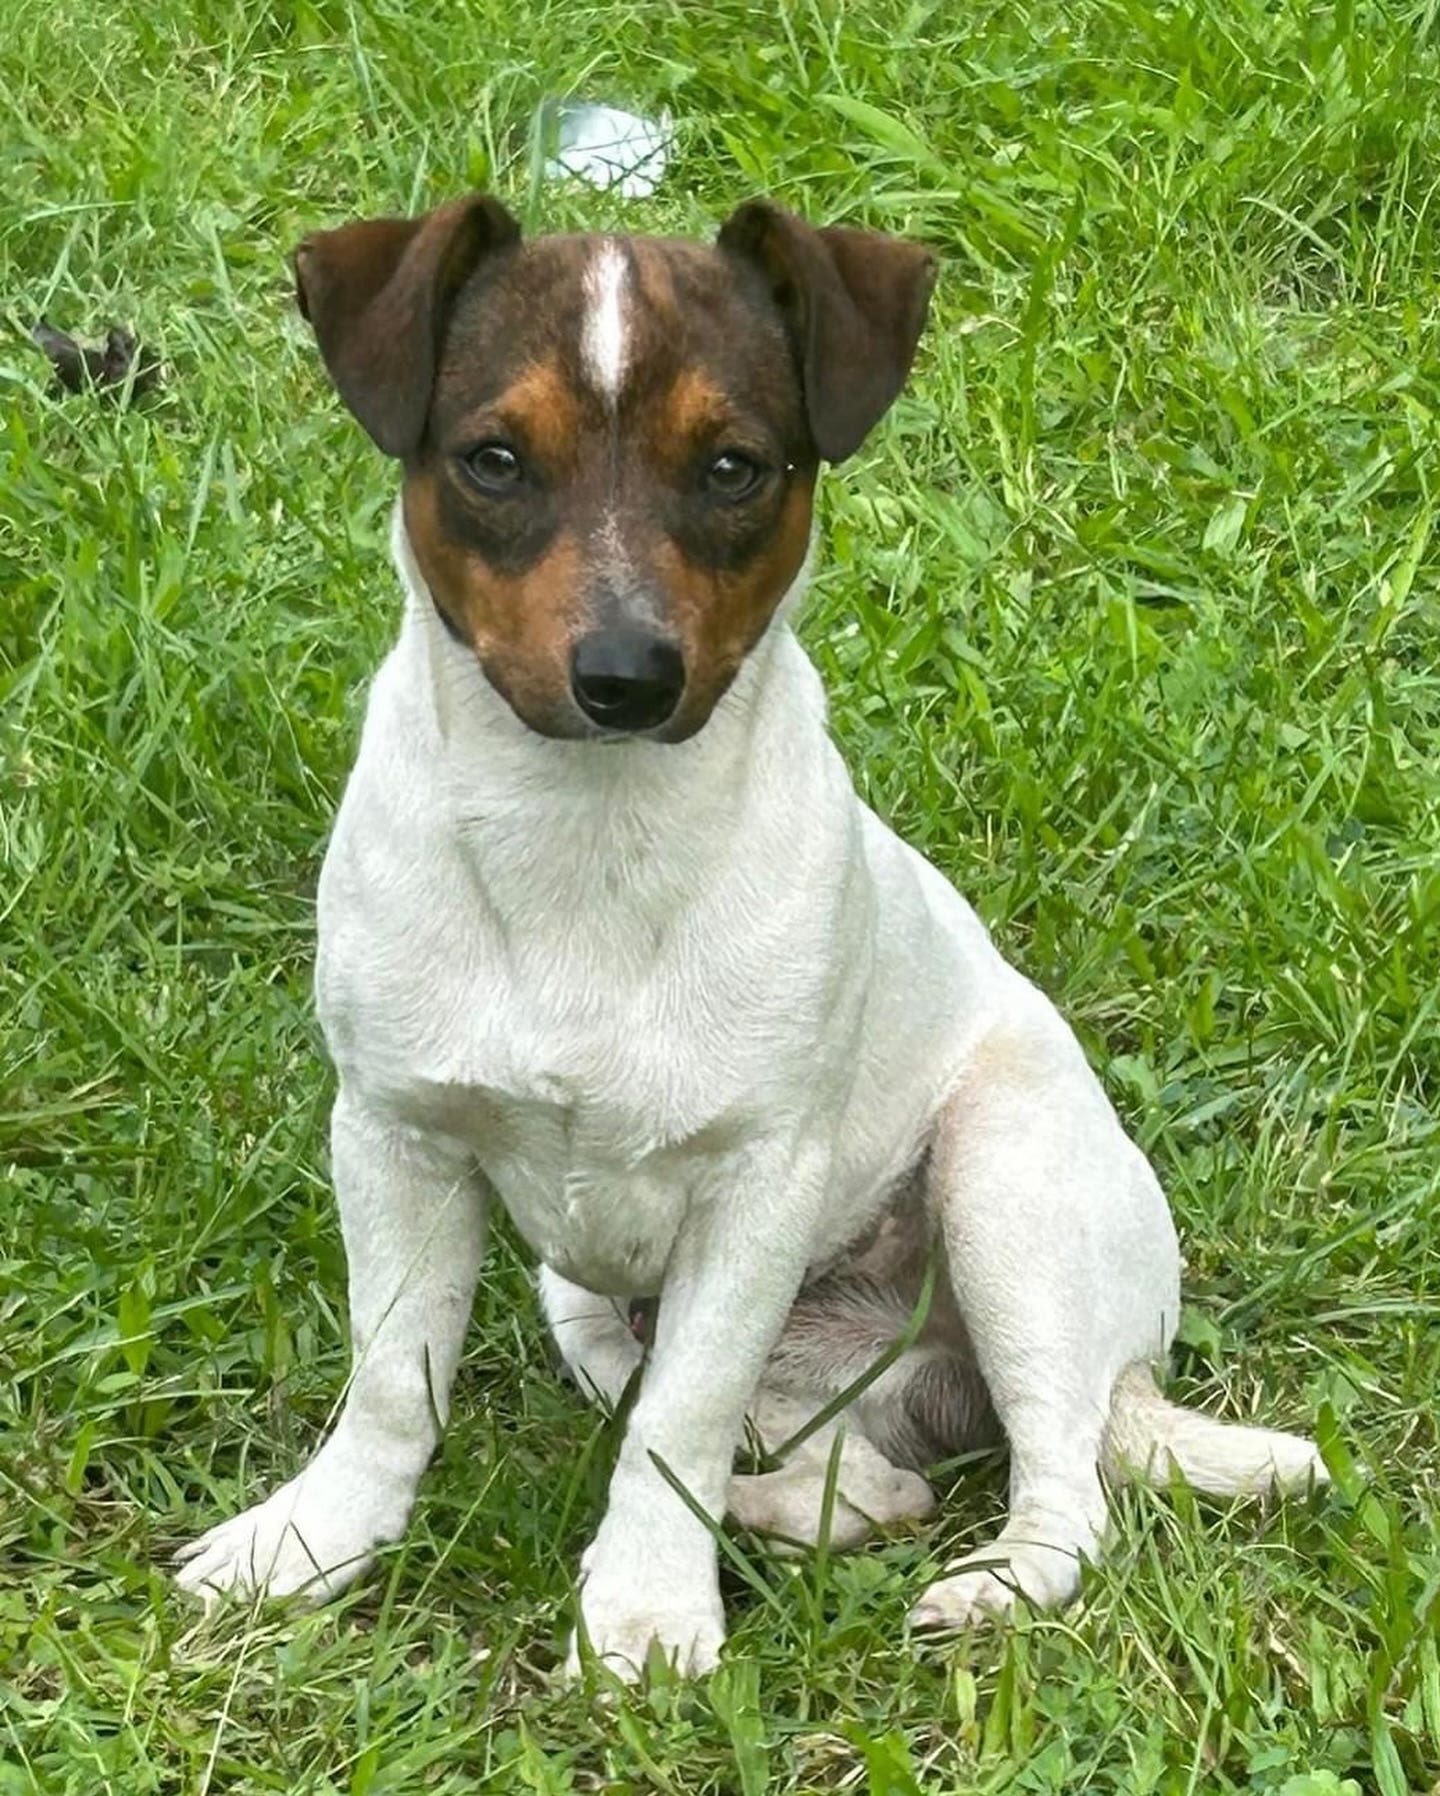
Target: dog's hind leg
821	1352
1065	1271
929	1402
789	1504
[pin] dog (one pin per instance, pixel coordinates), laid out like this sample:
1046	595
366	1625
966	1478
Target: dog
605	932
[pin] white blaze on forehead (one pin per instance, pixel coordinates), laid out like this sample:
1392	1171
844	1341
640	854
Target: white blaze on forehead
603	343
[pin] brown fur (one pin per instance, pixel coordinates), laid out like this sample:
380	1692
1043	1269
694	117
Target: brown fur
519	625
694	409
719	614
377	294
541	409
779	345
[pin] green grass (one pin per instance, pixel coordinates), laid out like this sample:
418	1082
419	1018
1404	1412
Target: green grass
1130	617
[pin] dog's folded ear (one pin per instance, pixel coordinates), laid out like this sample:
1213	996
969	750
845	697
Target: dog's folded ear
855	304
378	294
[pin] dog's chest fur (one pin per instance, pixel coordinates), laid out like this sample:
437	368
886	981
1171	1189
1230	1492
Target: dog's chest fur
608	972
602	1066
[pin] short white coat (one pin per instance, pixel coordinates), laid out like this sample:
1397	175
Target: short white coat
693	1012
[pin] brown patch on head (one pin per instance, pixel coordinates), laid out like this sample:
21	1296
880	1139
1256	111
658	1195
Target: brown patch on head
693	410
520	624
540	408
652	261
720	612
517	317
611	439
615	525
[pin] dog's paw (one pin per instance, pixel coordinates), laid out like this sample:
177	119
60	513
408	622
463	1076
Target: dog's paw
789	1505
311	1539
987	1586
622	1639
638	1595
904	1497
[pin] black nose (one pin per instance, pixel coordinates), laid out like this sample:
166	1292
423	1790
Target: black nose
626	679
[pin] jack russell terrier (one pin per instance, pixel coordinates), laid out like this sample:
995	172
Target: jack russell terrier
605	931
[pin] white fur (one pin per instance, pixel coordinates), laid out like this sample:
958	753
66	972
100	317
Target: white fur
691	1012
604	334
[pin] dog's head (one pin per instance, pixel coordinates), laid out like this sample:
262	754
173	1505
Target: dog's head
610	443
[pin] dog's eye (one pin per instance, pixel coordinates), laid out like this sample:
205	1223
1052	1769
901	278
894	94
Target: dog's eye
493	467
733	475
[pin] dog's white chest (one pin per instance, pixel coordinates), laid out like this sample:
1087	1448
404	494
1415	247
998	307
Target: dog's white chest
598	1104
615	979
590	1151
606	1224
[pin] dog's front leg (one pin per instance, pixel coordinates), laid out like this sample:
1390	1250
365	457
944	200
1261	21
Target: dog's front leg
650	1575
412	1210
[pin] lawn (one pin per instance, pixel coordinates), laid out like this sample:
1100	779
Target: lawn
1129	614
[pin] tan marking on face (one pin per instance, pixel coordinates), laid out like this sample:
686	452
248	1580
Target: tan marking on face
543	412
720	614
521	626
693	410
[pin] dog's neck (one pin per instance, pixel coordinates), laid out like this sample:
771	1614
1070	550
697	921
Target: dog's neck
642	820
